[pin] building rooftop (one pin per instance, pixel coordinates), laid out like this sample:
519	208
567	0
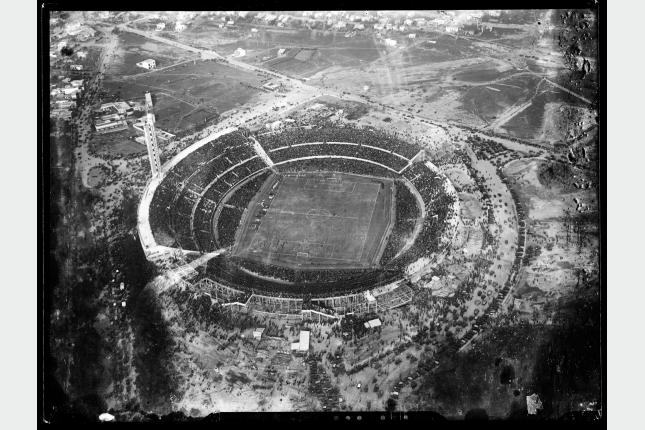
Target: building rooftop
373	323
304	341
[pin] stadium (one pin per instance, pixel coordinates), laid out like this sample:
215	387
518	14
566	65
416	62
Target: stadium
309	222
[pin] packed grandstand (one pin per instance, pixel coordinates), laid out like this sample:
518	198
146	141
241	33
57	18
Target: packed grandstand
203	198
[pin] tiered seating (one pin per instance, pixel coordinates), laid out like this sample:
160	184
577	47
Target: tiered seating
363	152
339	165
398	297
184	190
202	228
407	213
429	184
335	133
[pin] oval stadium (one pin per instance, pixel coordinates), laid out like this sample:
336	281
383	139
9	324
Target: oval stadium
310	221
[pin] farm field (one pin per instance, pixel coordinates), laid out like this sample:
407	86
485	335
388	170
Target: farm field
320	220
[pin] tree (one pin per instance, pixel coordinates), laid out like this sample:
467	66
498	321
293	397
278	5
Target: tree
390	405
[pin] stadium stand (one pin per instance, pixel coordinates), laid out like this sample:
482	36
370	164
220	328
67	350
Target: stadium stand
217	182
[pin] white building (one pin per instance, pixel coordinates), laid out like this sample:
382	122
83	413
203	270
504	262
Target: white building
390	42
304	341
412	36
106	417
303	344
257	333
65	104
533	404
239	52
274	125
109	126
121	108
160	26
373	323
147	64
71	91
271	86
179	27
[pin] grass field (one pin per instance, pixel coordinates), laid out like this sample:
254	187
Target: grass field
528	124
134	48
190	93
318	220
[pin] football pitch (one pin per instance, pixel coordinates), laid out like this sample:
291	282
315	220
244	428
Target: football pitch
318	220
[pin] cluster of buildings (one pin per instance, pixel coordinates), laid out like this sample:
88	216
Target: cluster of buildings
302	346
67	33
117	116
111	117
63	98
351	22
382	22
73	29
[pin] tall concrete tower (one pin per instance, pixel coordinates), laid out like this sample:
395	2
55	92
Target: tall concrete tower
151	137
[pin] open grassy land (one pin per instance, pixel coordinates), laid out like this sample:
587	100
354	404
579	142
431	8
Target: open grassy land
189	94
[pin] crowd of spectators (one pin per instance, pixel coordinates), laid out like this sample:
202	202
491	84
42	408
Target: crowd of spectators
202	228
439	207
338	165
338	133
245	193
172	205
307	284
341	150
407	212
227	223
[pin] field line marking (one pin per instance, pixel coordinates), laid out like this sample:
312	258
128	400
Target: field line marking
262	220
369	224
